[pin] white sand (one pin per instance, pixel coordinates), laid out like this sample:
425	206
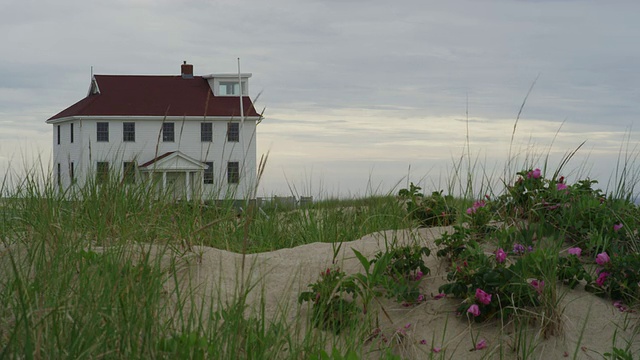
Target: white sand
280	276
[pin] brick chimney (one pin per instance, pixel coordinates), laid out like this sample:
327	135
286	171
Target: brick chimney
186	70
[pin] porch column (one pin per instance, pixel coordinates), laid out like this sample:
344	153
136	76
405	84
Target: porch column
188	179
164	181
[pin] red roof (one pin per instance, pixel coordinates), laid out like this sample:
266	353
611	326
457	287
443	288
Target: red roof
143	95
157	159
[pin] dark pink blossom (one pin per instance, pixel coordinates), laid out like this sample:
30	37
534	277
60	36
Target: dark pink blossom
538	285
534	174
423	342
602	258
436	349
483	297
602	278
474	310
481	344
561	186
418	276
575	251
617	227
439	296
476	205
501	256
620	306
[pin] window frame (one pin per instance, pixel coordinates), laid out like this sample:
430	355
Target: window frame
102	135
165	133
233	132
207	176
233	172
226	84
102	172
206	135
128	172
128	135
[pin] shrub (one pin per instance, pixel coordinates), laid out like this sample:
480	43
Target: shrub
433	210
618	277
404	272
332	297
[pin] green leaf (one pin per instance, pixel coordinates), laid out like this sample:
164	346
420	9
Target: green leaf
363	260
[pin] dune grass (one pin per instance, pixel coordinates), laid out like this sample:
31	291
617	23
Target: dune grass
98	272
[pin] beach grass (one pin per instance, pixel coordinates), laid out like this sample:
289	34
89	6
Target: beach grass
99	271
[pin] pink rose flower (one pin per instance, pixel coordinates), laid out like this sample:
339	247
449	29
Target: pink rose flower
500	256
561	186
620	306
483	297
602	258
474	310
602	278
534	174
481	344
476	205
575	251
419	275
538	285
617	227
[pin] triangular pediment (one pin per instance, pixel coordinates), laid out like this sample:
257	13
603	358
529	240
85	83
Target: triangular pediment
173	161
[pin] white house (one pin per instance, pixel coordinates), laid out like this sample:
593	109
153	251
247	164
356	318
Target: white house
183	134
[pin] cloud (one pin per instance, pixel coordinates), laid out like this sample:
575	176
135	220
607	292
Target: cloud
362	81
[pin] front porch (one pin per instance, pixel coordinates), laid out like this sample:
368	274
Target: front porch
175	175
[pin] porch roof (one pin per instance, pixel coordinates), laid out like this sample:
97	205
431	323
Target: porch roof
173	161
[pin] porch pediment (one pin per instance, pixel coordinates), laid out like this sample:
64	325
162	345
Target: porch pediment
173	161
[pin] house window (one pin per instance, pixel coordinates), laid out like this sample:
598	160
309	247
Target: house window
129	172
103	132
233	172
167	132
128	132
102	172
208	173
233	132
58	134
71	133
59	176
72	175
206	132
230	88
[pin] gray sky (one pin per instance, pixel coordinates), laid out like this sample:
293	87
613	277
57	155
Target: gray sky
356	92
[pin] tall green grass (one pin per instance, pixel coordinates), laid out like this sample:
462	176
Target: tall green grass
95	272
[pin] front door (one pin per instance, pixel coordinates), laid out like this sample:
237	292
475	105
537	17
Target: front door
176	185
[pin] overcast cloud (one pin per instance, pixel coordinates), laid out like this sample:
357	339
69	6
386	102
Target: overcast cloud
354	91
